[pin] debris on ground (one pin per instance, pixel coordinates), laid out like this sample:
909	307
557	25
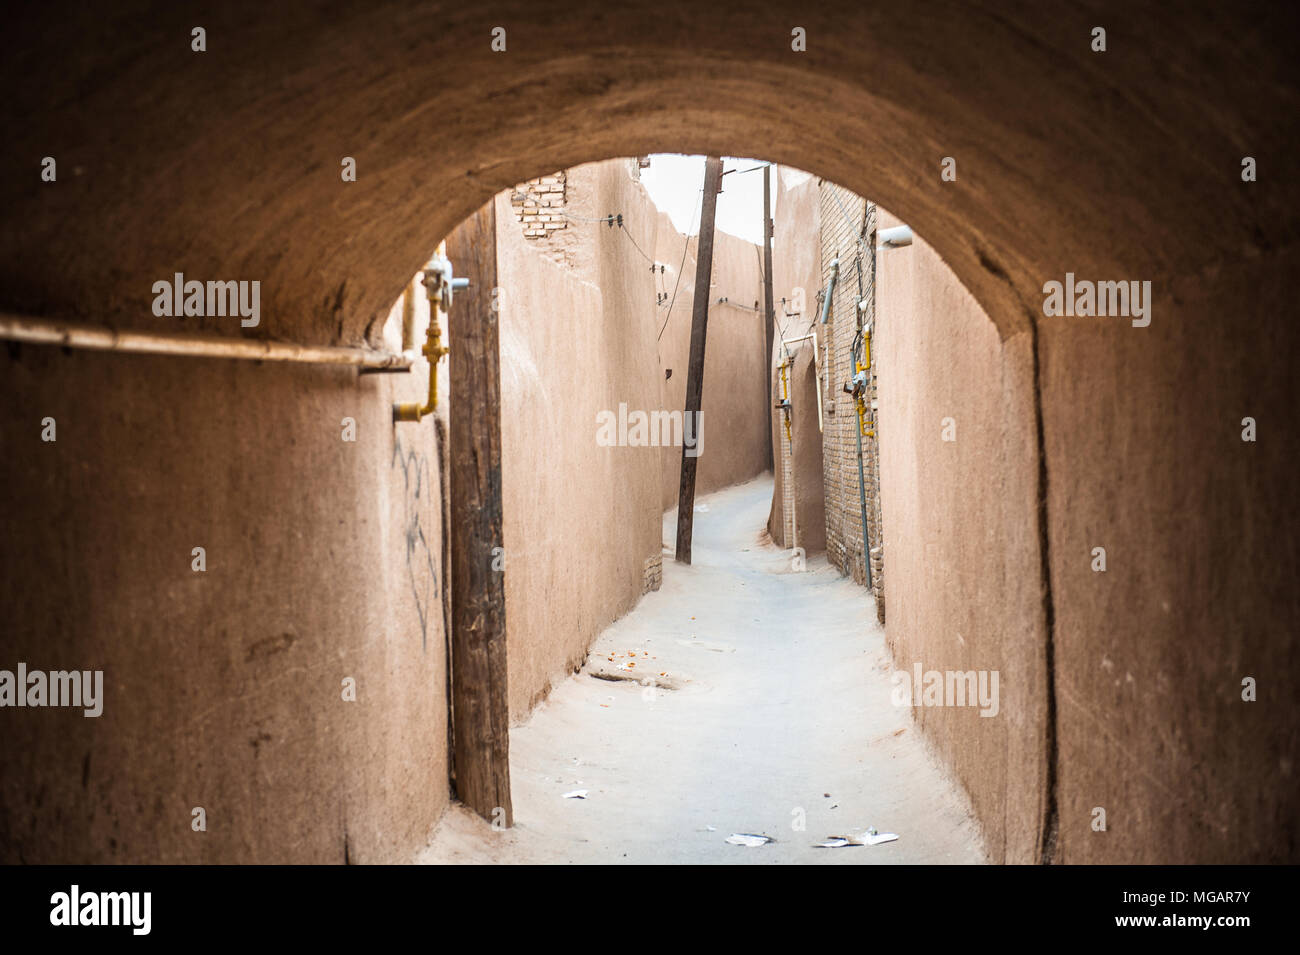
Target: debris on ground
869	838
836	842
576	794
748	839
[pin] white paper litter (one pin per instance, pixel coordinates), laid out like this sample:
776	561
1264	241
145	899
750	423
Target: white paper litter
576	794
868	838
747	839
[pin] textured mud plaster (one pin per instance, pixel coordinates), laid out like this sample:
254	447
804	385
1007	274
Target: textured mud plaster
960	526
796	265
1123	165
1060	160
1200	586
734	445
580	519
577	342
223	689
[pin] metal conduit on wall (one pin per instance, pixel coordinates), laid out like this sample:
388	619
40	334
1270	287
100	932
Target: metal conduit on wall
40	331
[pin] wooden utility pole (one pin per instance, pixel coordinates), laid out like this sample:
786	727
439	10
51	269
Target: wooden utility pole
479	702
769	314
695	370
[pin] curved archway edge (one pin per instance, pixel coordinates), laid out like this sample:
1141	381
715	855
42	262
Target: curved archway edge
1116	166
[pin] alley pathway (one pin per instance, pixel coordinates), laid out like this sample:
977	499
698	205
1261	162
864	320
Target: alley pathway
777	710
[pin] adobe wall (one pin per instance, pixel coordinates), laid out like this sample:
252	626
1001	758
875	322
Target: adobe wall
324	560
734	446
960	530
1199	592
1148	655
796	273
581	520
560	218
223	688
580	330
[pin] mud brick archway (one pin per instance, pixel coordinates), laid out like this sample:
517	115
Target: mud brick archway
1122	165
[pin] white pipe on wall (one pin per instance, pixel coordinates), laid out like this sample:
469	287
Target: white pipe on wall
894	238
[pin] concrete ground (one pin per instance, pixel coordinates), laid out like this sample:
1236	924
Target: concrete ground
772	708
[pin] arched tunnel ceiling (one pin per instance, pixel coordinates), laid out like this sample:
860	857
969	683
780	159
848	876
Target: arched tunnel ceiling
225	164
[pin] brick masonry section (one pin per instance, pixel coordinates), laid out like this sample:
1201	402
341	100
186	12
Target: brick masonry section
539	205
848	233
652	575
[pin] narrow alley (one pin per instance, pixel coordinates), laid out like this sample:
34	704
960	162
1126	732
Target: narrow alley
774	712
647	433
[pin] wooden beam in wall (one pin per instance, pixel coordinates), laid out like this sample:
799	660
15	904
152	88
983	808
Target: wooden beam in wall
769	314
479	699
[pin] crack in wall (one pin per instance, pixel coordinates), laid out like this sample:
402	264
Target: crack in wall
1051	814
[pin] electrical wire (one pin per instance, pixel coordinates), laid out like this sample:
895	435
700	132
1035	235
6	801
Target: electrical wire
623	229
622	225
766	165
615	217
845	213
685	249
570	215
724	300
686	244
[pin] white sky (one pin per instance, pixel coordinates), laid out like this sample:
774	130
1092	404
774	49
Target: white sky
676	184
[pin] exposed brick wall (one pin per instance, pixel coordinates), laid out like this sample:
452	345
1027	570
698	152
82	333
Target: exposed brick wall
539	205
652	573
848	234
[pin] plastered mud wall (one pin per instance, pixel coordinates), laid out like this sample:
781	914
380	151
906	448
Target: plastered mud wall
323	562
1150	724
1199	593
223	689
796	272
960	530
798	497
734	446
581	517
579	341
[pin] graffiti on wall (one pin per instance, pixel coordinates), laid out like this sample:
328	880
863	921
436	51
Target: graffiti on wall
417	496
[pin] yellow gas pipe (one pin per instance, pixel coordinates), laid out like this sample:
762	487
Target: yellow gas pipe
438	283
785	398
863	423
